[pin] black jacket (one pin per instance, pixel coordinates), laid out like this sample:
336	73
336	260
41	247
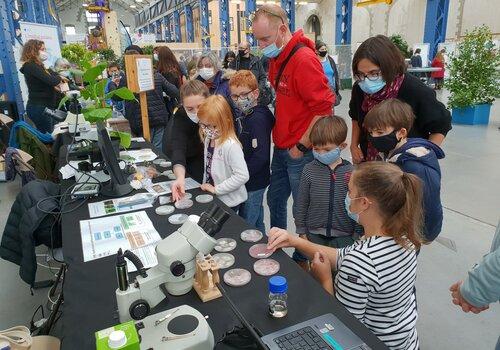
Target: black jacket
183	146
40	83
258	70
431	115
158	112
28	227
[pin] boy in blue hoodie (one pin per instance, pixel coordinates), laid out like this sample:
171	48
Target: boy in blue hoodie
388	125
253	127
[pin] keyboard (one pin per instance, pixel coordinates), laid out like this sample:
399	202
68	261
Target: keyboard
304	339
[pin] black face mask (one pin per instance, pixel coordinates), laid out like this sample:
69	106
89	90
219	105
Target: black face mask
322	53
242	53
384	143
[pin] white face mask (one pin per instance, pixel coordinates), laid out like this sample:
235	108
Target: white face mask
193	116
206	73
43	55
155	56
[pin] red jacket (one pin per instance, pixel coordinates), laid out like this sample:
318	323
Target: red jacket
439	64
303	92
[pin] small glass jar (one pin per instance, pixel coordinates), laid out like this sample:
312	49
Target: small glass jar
278	288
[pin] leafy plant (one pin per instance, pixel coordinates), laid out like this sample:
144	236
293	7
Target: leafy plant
474	78
78	54
94	91
148	49
402	44
107	55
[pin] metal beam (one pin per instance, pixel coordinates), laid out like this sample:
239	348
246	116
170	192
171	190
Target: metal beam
9	78
250	7
289	7
225	30
343	22
436	19
159	34
188	14
166	27
204	26
177	27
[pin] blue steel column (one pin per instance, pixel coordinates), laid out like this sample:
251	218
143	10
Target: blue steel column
289	7
28	14
39	11
177	27
343	22
250	7
188	12
225	33
151	29
204	26
166	27
436	19
9	79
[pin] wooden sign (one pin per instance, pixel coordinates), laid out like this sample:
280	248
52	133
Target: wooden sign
140	78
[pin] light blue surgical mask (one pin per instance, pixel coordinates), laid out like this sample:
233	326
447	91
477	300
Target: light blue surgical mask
329	157
354	216
371	87
272	51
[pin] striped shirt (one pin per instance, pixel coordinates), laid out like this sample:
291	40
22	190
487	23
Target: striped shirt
376	283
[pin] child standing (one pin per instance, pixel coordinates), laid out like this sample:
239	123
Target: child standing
388	125
321	215
376	275
254	126
225	169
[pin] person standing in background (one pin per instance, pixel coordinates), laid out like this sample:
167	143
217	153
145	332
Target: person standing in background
330	69
169	67
416	59
438	62
228	59
43	84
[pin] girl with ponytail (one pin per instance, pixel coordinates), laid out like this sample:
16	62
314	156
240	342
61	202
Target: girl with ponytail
376	276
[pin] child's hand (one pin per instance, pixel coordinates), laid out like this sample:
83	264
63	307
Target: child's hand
208	188
321	269
356	154
279	238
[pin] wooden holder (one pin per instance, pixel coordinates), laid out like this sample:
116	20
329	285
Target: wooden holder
205	279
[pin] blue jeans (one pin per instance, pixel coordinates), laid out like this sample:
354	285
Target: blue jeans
253	210
157	137
42	122
285	179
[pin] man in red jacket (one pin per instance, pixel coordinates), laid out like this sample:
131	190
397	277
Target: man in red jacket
302	97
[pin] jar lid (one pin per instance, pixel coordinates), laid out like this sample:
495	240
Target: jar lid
117	339
278	284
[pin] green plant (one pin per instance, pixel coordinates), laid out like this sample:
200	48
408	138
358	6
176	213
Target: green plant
148	49
107	55
77	54
474	78
97	111
402	45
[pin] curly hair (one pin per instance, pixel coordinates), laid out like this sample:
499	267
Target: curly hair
31	51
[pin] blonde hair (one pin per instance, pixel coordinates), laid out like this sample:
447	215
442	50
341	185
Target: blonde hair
272	12
216	111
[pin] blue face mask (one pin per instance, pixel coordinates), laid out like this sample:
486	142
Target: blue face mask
272	51
329	157
371	87
354	216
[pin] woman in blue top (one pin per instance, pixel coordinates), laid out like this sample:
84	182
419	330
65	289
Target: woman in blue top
330	69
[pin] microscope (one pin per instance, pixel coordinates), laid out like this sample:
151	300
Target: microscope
175	271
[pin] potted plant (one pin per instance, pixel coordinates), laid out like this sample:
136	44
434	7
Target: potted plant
474	78
401	44
96	110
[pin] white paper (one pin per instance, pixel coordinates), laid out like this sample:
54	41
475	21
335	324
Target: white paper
161	188
104	236
138	156
138	139
112	206
147	255
145	74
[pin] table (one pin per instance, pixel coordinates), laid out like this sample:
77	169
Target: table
426	71
89	288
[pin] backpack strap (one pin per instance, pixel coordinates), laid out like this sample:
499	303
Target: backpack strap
285	62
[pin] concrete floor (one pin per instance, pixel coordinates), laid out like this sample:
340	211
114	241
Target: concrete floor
470	192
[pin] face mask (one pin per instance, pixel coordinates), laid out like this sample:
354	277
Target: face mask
211	134
155	56
354	216
384	143
44	56
329	157
193	116
65	73
271	51
245	104
206	73
323	53
242	52
371	87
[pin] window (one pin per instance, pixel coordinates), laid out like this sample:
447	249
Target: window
92	17
70	29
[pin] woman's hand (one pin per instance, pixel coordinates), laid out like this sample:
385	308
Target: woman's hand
356	154
208	188
178	189
459	300
279	238
321	269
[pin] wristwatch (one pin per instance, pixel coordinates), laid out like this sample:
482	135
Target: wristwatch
301	147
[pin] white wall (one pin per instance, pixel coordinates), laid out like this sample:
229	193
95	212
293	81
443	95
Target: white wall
475	13
326	14
75	15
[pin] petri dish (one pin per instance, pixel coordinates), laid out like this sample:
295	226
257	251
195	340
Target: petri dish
204	198
224	260
251	235
260	251
178	219
237	277
225	245
165	210
184	203
266	267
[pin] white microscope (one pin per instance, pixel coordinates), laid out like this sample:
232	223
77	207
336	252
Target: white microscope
175	271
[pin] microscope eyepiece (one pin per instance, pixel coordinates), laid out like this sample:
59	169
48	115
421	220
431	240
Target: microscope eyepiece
213	219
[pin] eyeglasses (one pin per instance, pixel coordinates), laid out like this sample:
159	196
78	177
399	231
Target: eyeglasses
372	76
254	14
206	126
241	96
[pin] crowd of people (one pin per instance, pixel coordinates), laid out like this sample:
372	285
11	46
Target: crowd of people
241	127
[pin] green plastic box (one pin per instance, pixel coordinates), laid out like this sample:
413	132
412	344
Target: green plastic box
101	337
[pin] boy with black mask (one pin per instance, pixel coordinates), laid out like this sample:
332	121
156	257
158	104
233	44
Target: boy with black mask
388	125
